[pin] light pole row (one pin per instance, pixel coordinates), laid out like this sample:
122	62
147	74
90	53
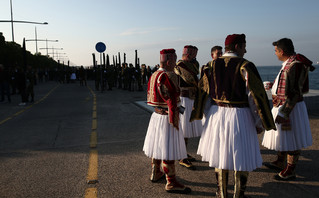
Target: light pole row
52	50
36	39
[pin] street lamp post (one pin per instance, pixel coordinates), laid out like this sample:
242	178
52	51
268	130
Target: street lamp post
52	50
60	55
63	58
36	41
12	21
39	23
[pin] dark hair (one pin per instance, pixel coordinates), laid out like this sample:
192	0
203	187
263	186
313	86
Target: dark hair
217	47
231	47
286	45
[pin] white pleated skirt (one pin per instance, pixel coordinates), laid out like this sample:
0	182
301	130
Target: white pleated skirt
229	140
207	107
189	129
163	141
300	135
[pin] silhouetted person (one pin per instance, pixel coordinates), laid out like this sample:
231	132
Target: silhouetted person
21	85
82	76
4	83
30	79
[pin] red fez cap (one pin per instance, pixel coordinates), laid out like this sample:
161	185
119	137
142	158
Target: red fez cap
235	39
165	53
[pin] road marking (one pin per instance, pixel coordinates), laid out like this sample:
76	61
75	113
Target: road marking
94	124
3	121
93	139
91	193
28	107
93	165
92	175
19	112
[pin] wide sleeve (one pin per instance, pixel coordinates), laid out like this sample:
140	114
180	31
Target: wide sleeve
258	94
251	101
296	77
187	72
201	96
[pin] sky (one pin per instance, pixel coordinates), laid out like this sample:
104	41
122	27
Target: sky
149	26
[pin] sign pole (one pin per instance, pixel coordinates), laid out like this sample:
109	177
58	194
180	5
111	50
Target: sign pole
101	47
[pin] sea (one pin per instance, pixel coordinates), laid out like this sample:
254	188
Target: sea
269	73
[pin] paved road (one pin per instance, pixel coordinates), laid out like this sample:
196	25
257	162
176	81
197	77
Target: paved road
45	150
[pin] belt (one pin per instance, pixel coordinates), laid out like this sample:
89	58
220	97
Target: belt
185	93
276	101
189	93
232	105
161	111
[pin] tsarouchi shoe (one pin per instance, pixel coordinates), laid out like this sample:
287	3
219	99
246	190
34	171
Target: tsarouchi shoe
172	185
287	174
177	188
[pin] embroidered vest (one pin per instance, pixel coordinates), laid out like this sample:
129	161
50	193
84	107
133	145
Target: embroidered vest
163	92
281	88
153	95
227	85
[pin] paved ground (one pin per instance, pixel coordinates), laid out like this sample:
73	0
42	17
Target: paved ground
45	152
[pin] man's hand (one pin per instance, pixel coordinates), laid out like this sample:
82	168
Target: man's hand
280	119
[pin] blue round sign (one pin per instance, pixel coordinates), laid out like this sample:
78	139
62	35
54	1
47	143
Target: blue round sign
100	47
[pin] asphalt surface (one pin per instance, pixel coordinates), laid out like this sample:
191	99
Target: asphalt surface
45	149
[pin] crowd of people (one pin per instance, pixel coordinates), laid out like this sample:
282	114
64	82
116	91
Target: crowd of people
226	105
17	81
19	77
124	76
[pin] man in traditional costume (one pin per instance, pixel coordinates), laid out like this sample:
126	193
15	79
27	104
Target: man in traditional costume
216	52
164	143
229	140
187	70
289	110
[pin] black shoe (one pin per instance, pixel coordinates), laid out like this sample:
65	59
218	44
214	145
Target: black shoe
186	190
186	163
191	158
